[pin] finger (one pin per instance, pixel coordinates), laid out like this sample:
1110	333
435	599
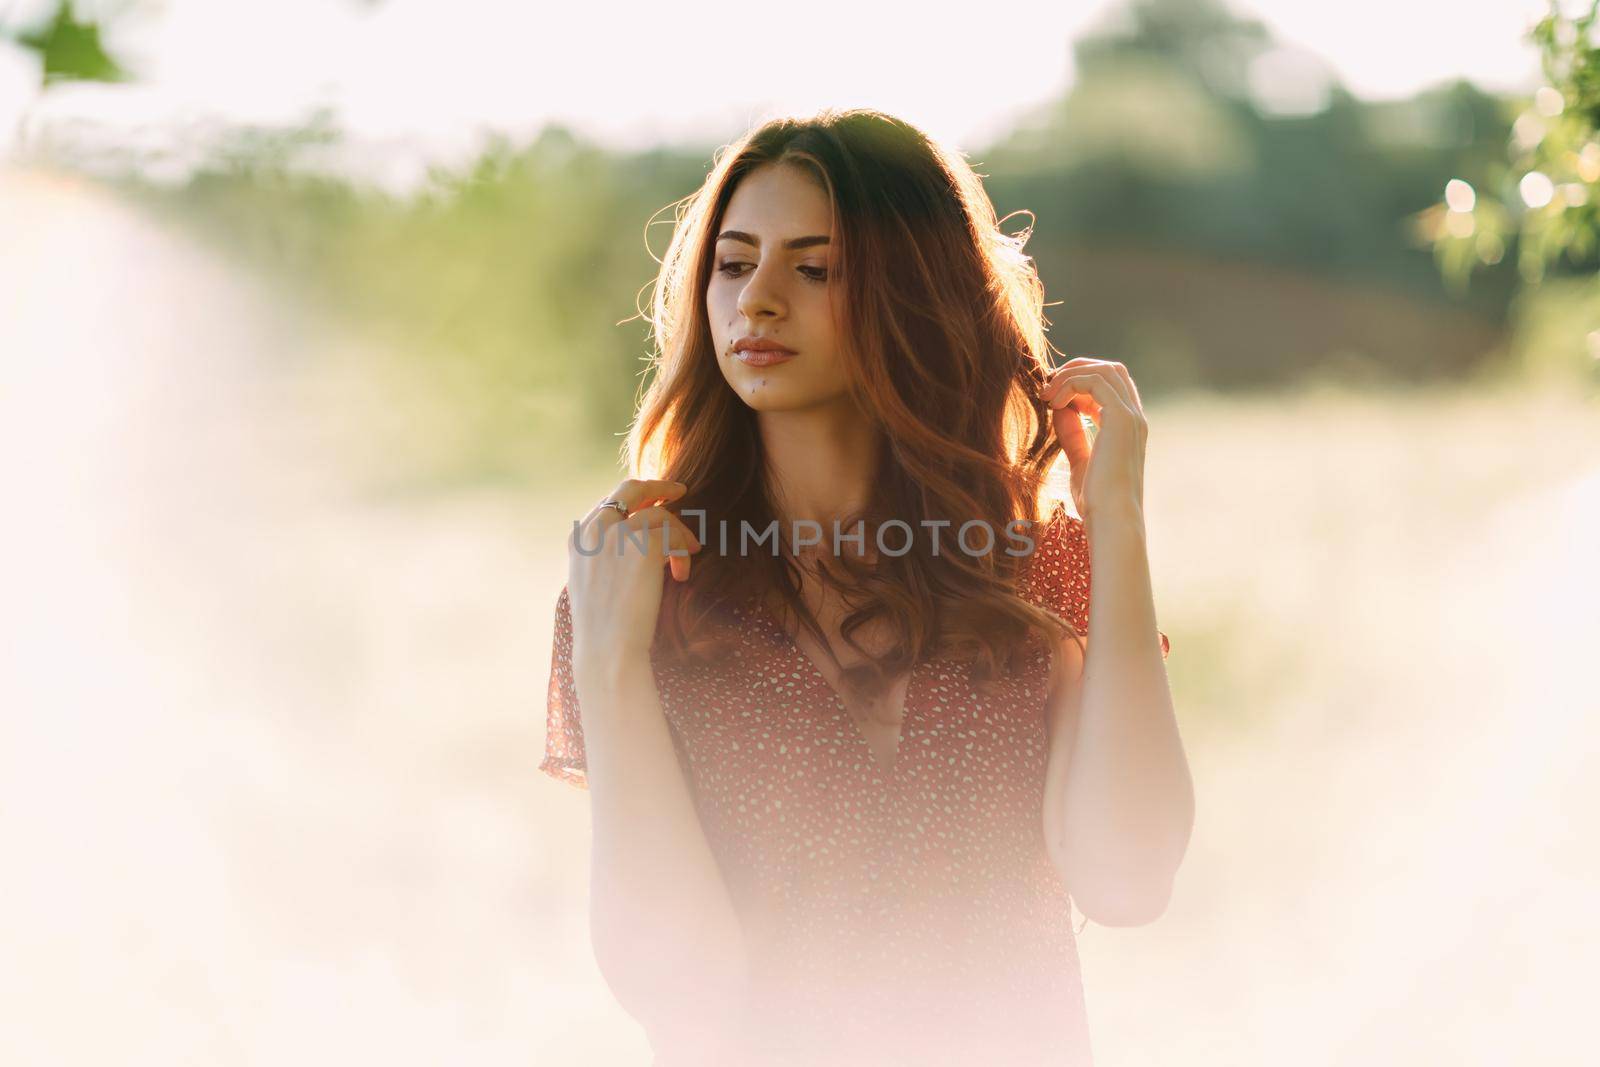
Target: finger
1064	397
1075	365
669	540
1068	418
1084	404
1113	373
634	493
680	541
1100	387
656	521
1133	390
1059	374
637	492
1067	422
1058	388
655	515
650	536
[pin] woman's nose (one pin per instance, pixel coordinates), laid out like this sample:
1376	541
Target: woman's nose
759	295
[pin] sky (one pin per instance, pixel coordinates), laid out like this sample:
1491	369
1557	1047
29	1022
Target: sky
417	79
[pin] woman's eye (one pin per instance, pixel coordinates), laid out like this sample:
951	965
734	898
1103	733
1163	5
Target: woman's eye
733	270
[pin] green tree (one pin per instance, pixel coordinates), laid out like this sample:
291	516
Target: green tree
1543	199
71	49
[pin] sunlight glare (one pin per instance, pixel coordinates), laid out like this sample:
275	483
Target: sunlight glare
1536	188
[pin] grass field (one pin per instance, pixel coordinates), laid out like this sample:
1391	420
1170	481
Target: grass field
269	794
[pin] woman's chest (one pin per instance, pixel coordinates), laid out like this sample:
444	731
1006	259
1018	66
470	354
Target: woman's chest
787	782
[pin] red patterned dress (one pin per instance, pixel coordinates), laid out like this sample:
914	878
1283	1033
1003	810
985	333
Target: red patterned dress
909	915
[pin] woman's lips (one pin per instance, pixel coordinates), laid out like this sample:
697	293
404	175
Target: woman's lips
762	357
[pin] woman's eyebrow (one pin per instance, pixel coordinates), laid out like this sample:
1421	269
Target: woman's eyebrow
793	242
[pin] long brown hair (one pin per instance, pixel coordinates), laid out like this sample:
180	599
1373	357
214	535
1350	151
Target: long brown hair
943	327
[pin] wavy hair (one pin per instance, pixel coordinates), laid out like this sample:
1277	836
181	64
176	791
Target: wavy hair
943	327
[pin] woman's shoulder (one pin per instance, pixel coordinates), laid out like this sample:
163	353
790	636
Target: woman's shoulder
1058	552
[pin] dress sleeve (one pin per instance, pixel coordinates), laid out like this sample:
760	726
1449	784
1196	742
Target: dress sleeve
563	740
1063	570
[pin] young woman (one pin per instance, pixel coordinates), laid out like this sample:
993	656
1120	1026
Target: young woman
846	788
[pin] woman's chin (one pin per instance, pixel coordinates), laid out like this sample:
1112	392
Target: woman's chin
769	389
762	390
759	398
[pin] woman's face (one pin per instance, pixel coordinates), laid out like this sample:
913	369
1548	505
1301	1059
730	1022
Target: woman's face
763	286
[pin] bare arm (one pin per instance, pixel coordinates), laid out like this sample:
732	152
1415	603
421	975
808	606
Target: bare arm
1119	804
665	932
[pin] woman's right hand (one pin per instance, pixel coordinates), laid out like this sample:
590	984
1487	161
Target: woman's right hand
615	594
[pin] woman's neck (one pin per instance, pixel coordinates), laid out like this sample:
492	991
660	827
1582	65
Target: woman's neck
821	463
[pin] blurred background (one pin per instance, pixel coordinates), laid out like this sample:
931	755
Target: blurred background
320	323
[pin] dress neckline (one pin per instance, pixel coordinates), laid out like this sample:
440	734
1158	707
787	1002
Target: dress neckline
819	680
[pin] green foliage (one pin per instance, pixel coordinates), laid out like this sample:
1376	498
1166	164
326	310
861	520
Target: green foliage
508	290
1179	228
1543	196
1270	245
71	49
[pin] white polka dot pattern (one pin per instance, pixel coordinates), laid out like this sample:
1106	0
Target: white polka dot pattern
913	907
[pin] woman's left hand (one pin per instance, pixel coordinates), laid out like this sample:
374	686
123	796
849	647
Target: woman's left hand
1109	476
